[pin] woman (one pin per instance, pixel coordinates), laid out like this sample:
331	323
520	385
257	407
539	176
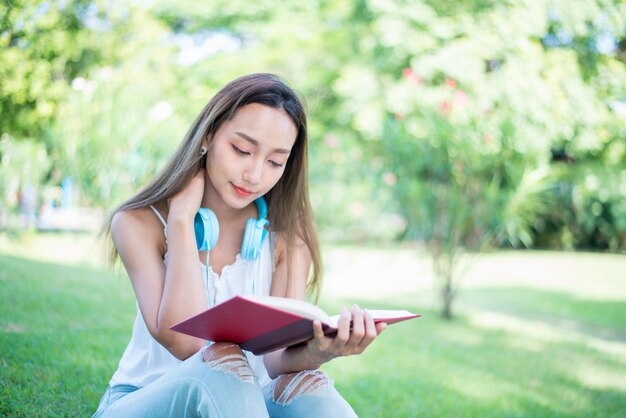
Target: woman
247	148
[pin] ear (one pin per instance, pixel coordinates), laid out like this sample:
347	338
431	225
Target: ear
204	148
208	139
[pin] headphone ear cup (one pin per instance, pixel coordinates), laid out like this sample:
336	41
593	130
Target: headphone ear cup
206	229
253	238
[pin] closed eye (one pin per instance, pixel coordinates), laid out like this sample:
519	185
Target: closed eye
240	151
275	164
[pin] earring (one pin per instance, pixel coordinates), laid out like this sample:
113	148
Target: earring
202	151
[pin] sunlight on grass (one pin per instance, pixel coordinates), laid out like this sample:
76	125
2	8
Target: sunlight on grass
65	248
374	274
542	332
406	272
487	386
595	376
589	276
529	329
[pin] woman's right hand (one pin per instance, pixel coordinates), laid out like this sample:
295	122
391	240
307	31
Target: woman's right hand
186	202
183	294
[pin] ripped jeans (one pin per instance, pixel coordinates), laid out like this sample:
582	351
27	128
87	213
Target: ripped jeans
220	383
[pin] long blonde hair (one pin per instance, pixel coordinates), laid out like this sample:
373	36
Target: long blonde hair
289	208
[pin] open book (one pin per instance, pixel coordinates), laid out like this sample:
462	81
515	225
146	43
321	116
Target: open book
261	324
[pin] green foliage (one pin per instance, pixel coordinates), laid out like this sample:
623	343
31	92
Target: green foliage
126	113
315	42
458	187
43	47
513	82
472	121
529	201
591	198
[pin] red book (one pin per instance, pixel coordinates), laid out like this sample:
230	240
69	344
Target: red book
261	324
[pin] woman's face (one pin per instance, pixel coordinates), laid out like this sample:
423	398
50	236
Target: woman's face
248	154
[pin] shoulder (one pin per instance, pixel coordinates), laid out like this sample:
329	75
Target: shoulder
293	263
135	225
283	246
135	219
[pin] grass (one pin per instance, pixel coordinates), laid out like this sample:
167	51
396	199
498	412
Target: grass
533	337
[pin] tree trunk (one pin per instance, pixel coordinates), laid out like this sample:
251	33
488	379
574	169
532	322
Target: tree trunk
447	296
444	270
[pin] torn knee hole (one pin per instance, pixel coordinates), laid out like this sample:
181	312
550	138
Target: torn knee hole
229	358
308	382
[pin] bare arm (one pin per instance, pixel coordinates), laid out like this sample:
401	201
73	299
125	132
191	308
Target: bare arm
166	295
320	349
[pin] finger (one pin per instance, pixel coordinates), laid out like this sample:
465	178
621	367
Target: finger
358	327
318	346
343	328
380	327
318	330
370	327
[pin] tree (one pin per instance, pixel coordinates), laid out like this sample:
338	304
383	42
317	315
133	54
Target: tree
44	47
470	124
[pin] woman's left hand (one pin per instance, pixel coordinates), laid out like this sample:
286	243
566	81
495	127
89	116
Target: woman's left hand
349	340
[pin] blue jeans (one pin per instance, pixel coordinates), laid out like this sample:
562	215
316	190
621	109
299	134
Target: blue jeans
195	389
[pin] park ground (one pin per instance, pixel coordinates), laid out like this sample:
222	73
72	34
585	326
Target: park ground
535	334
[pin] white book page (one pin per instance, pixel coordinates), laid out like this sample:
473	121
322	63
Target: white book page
310	311
295	306
389	314
379	315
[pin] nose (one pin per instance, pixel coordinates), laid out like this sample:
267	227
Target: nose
253	172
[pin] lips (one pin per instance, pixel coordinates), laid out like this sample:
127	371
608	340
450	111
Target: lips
242	192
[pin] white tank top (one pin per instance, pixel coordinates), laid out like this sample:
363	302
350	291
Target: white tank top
145	360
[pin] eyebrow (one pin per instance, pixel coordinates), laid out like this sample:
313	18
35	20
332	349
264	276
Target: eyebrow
256	143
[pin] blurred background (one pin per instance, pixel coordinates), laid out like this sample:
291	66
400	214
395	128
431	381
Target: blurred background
425	115
445	138
466	124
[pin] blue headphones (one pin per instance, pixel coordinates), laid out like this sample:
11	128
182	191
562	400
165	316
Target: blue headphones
207	230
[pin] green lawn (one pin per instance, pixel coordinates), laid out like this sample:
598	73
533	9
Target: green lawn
521	346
